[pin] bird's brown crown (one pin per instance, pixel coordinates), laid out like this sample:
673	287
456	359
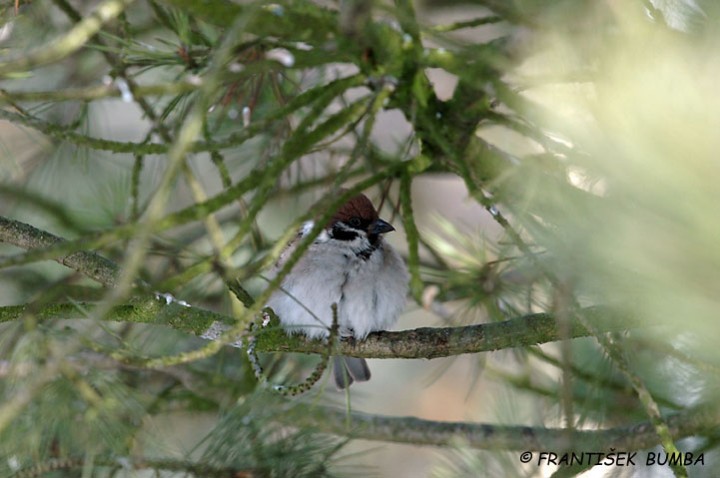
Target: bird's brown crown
358	206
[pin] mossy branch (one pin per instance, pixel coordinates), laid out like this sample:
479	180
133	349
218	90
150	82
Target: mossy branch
498	437
434	342
28	237
425	342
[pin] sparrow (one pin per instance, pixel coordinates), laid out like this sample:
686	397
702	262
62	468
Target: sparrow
351	265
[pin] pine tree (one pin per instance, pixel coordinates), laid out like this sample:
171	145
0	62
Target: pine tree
157	155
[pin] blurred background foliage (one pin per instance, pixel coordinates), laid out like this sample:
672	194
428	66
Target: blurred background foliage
537	156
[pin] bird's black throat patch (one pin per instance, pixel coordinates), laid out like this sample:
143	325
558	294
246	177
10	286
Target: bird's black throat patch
365	253
342	234
346	234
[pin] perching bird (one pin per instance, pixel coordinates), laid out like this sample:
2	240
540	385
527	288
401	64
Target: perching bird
351	265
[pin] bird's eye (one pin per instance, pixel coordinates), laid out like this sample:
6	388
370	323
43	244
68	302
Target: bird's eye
355	222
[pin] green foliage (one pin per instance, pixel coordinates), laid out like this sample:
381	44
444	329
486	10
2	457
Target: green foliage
247	437
93	414
179	141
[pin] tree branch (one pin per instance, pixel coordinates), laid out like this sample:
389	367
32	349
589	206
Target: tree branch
496	437
426	342
434	342
28	237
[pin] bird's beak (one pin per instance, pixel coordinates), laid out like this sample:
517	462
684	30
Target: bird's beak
380	227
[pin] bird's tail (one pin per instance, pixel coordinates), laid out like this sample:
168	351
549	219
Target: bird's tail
347	370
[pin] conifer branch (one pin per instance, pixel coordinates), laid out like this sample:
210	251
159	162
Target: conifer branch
417	431
28	237
425	342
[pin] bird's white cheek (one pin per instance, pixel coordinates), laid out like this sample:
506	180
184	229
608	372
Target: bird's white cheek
323	237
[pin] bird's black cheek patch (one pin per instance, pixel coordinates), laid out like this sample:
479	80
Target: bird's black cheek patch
343	234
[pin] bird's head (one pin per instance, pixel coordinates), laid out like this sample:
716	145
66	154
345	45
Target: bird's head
356	223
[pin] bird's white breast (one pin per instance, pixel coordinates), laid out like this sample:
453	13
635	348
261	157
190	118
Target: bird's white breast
370	293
